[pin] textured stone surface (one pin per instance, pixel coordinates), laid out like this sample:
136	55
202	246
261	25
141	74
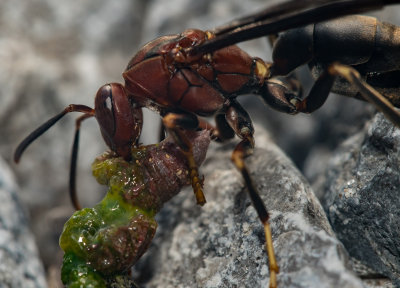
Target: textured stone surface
221	244
19	262
363	197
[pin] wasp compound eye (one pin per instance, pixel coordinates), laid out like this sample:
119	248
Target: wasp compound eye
105	112
120	123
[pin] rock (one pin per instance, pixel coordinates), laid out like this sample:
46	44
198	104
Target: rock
221	244
363	197
19	262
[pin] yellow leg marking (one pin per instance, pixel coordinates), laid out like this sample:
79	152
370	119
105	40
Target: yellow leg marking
367	91
237	159
170	123
197	184
273	266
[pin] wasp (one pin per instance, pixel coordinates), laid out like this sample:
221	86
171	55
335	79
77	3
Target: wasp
197	74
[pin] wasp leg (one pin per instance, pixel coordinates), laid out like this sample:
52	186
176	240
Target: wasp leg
223	130
205	125
89	112
323	85
240	122
74	156
317	95
282	93
219	133
161	132
174	123
202	125
369	93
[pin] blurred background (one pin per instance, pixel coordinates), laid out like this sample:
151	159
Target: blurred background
56	53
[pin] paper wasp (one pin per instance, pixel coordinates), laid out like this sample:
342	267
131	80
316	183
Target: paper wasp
199	73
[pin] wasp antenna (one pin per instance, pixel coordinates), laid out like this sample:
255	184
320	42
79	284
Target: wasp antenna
74	157
45	126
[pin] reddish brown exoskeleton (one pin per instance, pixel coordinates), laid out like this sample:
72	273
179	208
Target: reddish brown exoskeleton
198	73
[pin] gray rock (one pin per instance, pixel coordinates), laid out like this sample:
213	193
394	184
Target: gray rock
221	244
363	197
19	262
